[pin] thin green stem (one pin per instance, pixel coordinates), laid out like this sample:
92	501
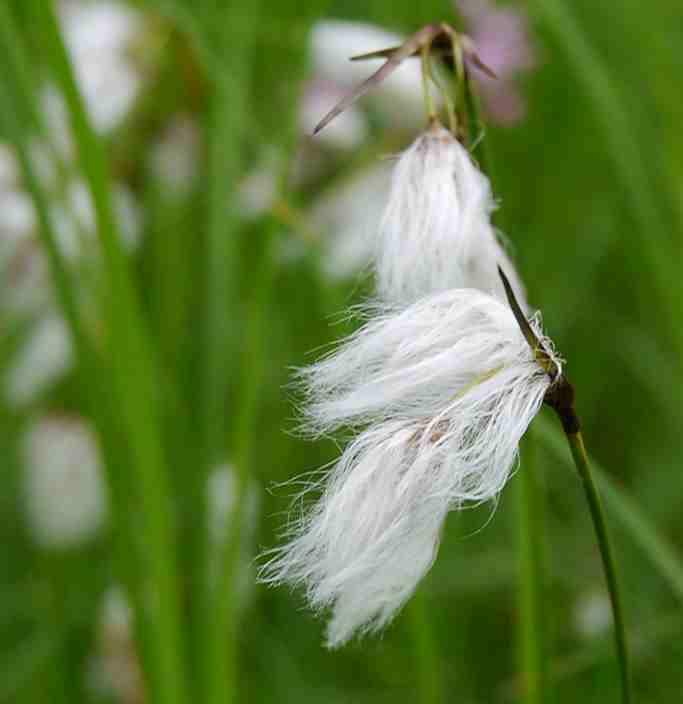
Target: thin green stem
426	77
223	661
476	129
531	525
230	40
580	457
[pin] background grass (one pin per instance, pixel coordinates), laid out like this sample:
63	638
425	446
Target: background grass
184	347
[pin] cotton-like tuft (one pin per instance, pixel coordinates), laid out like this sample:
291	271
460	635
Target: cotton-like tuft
440	395
436	231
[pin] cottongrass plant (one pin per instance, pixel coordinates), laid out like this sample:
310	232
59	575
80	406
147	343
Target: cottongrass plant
437	388
441	393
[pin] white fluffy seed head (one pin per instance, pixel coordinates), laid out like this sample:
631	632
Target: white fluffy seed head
436	232
442	392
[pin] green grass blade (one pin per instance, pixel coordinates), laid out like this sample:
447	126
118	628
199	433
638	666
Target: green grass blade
531	531
226	126
134	380
223	660
597	512
428	675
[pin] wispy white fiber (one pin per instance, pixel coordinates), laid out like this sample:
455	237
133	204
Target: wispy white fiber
436	232
440	394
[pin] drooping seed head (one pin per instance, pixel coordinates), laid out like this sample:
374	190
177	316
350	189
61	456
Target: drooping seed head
436	231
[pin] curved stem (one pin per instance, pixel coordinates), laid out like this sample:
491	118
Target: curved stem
580	457
531	532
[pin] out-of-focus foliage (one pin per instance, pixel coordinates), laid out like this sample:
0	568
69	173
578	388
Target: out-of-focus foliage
245	239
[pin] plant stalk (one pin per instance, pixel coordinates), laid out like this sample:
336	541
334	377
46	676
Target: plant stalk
531	525
580	457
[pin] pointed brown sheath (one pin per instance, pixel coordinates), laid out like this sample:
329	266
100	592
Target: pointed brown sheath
438	37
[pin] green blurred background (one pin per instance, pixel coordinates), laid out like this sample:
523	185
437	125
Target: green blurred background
143	460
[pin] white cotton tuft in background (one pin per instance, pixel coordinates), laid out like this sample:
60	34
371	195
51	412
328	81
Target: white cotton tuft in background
592	614
442	392
436	232
348	218
65	496
114	668
98	37
175	155
40	361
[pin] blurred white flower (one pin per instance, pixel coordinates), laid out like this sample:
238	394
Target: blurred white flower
592	614
346	132
57	143
258	190
25	281
334	42
26	287
17	220
98	36
436	232
10	175
348	220
115	668
64	492
40	361
74	220
174	158
442	392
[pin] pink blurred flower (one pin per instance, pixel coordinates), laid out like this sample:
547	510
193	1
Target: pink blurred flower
504	44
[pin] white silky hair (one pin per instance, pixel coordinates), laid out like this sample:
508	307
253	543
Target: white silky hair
440	394
436	232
